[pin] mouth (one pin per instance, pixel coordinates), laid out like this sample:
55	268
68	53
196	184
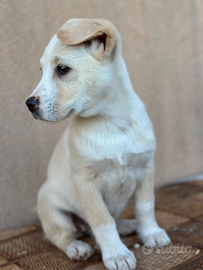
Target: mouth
72	112
39	115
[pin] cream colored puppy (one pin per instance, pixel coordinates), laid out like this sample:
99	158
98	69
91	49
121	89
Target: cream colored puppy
105	156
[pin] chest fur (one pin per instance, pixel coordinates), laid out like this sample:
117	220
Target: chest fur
118	179
129	166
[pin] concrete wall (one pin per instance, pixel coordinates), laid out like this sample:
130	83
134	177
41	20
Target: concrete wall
163	49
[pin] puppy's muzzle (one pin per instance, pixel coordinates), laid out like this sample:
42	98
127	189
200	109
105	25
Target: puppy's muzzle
33	104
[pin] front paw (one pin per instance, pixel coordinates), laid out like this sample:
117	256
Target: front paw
123	260
157	237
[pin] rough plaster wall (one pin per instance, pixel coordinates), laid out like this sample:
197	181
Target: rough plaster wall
162	46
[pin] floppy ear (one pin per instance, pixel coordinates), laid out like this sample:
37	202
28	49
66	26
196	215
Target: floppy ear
77	31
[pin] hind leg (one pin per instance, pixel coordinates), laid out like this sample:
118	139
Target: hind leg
79	250
61	231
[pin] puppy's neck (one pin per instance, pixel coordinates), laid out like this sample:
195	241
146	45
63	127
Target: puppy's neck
121	103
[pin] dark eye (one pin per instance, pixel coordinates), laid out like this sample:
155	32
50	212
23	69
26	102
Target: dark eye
62	70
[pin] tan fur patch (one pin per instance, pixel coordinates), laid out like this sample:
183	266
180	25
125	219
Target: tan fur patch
77	31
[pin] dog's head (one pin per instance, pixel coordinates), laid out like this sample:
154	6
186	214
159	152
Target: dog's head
77	70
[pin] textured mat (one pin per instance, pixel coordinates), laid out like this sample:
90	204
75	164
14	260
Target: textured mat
179	209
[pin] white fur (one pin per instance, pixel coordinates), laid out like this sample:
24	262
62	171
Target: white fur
104	155
79	250
114	252
147	227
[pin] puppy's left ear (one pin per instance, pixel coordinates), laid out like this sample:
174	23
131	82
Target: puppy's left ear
101	36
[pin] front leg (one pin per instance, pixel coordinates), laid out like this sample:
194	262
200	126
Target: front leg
147	227
115	254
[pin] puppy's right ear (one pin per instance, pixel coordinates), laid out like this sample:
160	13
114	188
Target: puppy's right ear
89	31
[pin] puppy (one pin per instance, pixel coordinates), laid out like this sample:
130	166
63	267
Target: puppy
106	154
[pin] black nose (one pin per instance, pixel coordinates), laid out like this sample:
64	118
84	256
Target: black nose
32	103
